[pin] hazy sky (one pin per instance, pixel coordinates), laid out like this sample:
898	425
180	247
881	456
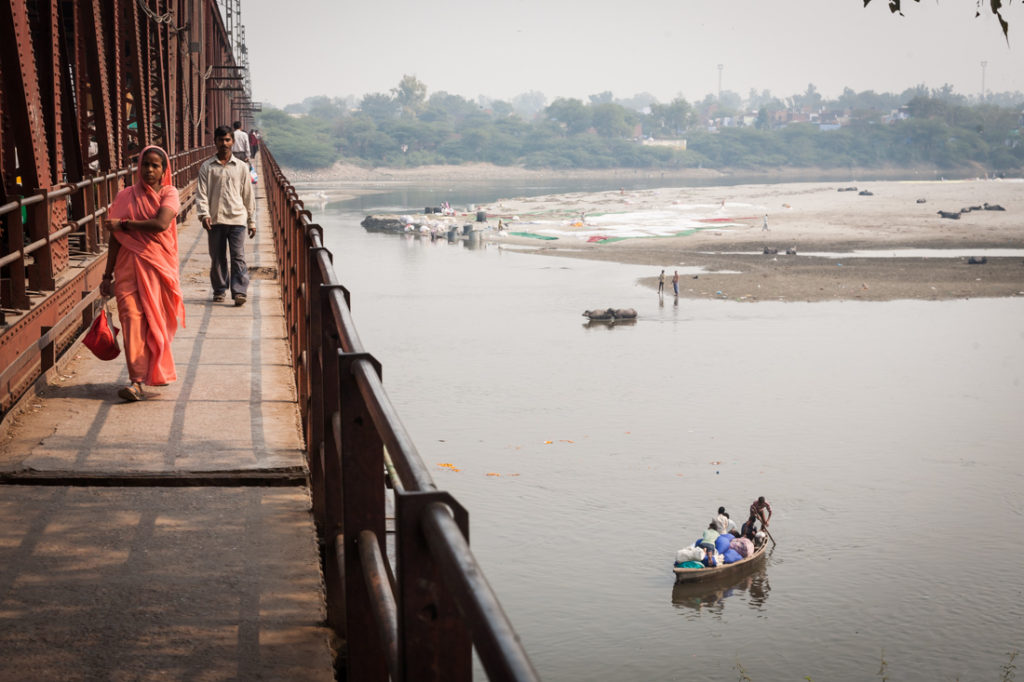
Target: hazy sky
574	48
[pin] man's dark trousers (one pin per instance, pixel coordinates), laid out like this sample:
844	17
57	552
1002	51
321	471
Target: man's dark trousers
221	239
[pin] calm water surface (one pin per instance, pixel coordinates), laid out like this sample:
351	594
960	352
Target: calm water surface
887	437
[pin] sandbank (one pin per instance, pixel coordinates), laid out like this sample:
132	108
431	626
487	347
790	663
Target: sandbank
714	235
721	234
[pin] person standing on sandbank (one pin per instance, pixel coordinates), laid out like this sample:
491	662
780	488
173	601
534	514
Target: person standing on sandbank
764	225
675	283
661	283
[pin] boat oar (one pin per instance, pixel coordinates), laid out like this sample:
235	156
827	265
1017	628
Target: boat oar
765	529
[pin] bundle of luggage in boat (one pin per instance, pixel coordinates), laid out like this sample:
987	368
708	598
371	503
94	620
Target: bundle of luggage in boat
727	549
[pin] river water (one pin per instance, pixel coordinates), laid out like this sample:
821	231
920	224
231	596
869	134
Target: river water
887	437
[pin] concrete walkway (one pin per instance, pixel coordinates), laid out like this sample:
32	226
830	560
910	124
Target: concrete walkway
167	580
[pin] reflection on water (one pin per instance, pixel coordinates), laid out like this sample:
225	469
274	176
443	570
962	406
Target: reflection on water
709	598
883	434
608	324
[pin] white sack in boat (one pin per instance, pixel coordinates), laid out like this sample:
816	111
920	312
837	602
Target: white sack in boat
689	554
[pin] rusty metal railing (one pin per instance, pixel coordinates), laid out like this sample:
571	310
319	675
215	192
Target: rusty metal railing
52	255
420	618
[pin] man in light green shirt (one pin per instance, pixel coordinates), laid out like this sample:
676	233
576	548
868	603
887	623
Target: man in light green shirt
226	206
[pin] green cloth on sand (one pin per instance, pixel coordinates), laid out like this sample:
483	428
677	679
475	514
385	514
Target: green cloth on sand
531	235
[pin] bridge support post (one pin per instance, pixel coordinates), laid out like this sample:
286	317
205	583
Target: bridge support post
322	340
329	489
434	643
362	476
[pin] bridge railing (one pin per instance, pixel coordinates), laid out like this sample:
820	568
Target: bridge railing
419	617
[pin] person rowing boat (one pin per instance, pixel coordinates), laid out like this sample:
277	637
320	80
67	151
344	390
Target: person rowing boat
757	513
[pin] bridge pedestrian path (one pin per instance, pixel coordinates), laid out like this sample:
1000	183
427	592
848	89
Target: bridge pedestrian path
170	538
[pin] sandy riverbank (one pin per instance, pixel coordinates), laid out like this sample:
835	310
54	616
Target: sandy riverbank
726	239
718	233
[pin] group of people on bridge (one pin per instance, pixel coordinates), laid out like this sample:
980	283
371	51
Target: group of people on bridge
142	257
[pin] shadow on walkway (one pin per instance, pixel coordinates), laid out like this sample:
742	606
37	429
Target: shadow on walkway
163	579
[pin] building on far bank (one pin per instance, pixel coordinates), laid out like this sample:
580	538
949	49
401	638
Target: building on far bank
674	144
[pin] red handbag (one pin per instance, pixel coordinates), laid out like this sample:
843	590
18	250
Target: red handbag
102	337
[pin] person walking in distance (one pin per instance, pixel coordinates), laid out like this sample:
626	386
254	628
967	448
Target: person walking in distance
226	206
240	145
764	225
254	144
661	283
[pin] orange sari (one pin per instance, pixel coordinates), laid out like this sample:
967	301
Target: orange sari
146	282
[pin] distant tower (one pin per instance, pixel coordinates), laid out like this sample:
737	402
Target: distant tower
722	66
983	65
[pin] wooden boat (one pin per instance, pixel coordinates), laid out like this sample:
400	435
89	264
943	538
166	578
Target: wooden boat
610	314
713	593
612	322
735	569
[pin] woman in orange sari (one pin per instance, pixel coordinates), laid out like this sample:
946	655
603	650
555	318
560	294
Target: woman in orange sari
142	272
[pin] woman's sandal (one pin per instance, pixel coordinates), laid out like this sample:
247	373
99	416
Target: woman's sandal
132	393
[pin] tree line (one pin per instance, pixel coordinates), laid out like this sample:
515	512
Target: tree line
405	127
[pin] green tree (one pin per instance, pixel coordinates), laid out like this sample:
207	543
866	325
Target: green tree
379	106
731	101
325	108
611	120
529	104
868	101
810	100
672	118
298	142
926	107
501	109
410	94
443	106
571	113
641	102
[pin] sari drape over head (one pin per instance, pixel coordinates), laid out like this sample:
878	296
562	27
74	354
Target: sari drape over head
153	258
